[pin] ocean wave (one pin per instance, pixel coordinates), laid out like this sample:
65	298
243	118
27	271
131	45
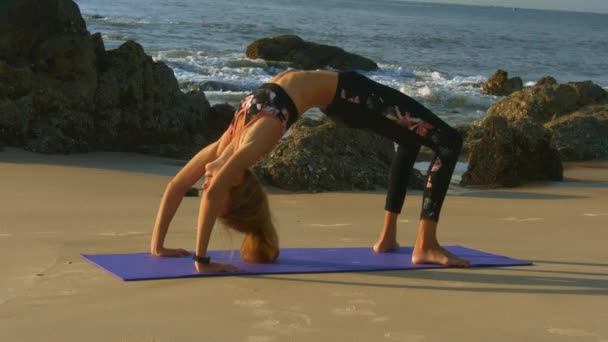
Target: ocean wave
115	37
227	77
119	21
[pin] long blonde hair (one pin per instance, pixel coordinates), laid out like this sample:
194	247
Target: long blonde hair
250	214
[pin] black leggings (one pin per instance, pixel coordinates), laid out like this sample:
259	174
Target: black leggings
365	104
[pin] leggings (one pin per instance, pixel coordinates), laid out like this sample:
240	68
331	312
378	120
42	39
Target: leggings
364	104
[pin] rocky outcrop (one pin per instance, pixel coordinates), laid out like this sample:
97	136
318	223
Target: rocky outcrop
548	102
307	55
501	85
508	153
546	80
319	155
525	136
582	135
62	92
573	112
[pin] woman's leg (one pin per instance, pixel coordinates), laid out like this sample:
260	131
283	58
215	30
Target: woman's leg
401	167
397	116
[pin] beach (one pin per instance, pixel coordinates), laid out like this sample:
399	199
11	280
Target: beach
55	207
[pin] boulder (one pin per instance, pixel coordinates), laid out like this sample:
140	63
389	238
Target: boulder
509	153
307	55
582	135
319	155
501	85
62	92
547	102
546	80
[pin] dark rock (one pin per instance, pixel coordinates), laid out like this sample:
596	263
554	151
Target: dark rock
500	84
577	137
470	133
547	102
319	155
220	117
62	92
307	55
509	153
27	25
582	135
546	80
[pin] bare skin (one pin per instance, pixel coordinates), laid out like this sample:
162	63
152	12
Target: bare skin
224	162
427	249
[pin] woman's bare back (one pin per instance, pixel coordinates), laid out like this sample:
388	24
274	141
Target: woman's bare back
308	89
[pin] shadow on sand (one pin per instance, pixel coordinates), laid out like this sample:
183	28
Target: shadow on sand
526	280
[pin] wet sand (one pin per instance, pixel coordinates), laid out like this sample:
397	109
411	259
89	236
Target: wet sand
55	207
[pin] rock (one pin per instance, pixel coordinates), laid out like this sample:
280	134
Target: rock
548	103
470	133
500	84
62	92
307	55
582	135
319	155
546	80
220	117
509	153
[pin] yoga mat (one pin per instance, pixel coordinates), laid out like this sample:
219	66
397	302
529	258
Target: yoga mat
143	266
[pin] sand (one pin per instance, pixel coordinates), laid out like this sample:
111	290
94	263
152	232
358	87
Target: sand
55	207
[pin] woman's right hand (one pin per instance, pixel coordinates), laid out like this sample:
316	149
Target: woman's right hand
170	252
214	267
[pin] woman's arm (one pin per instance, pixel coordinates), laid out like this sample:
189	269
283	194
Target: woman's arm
174	193
258	140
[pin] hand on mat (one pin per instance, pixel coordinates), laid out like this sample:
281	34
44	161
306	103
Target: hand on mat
171	252
214	267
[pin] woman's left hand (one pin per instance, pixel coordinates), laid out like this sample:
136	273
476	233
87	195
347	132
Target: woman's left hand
214	267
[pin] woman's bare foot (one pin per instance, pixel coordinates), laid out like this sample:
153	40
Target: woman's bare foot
388	236
385	246
437	255
427	249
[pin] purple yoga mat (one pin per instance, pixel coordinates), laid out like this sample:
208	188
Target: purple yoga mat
143	266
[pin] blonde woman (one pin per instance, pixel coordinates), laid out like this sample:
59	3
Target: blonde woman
232	193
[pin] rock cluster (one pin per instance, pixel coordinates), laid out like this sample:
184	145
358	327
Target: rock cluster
525	136
62	92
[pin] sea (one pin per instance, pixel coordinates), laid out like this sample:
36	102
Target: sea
436	53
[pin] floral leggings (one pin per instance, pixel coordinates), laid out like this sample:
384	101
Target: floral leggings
362	103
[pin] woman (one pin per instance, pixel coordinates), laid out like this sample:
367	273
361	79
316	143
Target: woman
233	194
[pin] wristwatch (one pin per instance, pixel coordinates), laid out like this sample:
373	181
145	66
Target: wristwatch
202	259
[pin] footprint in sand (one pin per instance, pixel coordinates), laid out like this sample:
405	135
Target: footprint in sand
594	215
286	323
571	332
115	234
405	337
290	322
330	225
260	339
358	306
515	219
250	303
352	310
